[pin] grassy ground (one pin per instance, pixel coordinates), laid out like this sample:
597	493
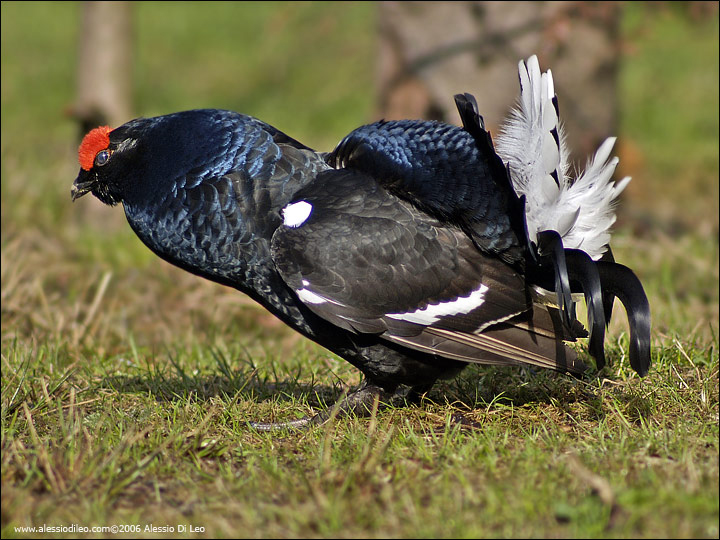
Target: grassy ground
126	383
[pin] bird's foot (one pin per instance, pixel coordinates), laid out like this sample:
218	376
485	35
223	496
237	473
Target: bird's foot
413	395
361	402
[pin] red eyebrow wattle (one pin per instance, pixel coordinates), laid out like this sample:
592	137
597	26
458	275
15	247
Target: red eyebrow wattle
96	140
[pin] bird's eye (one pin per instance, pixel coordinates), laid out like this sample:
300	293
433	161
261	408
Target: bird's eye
102	158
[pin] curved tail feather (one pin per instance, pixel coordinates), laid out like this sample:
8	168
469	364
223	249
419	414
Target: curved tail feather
622	282
550	247
583	269
575	266
608	298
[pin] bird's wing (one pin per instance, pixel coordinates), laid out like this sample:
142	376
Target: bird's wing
449	172
369	262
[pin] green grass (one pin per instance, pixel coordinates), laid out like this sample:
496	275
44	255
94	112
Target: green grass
131	440
127	384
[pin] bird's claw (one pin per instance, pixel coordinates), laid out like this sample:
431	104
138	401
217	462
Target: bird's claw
361	402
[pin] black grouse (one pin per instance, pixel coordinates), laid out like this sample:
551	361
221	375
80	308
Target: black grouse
412	249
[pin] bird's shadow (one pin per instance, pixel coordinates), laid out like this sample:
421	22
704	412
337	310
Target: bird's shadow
587	397
477	388
240	385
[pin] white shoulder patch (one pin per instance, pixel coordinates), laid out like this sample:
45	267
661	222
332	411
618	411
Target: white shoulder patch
296	214
433	312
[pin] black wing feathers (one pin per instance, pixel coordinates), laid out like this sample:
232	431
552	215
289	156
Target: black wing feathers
443	171
369	251
369	262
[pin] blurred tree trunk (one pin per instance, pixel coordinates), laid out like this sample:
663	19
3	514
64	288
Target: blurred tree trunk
430	51
104	70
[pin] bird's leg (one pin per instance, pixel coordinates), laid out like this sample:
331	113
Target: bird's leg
415	393
360	402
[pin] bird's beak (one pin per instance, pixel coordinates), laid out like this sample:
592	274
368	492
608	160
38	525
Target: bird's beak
81	186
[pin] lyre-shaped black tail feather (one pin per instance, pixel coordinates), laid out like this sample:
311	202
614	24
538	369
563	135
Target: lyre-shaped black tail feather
469	114
608	297
583	270
550	247
620	281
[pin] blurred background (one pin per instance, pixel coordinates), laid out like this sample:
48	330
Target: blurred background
75	275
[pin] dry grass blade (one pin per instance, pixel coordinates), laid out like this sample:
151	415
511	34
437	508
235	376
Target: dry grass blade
79	332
